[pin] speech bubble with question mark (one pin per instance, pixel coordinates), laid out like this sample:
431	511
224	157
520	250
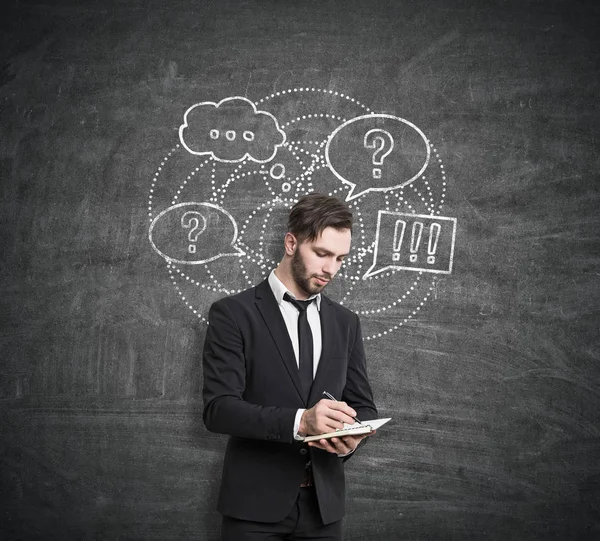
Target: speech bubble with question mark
356	150
212	230
383	143
192	220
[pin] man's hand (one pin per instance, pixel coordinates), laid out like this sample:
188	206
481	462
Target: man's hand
340	446
326	416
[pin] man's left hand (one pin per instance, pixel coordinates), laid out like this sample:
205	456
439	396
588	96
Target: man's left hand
340	446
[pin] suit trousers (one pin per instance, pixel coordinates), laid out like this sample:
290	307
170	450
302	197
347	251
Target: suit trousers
303	522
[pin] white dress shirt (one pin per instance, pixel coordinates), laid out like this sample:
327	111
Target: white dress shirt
290	316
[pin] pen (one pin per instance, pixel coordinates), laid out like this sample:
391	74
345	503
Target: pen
331	397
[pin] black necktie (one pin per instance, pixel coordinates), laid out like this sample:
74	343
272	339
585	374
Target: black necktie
305	344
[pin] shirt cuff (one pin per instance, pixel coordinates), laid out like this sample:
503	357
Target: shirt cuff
297	424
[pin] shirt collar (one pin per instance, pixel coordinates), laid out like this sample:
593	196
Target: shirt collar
279	290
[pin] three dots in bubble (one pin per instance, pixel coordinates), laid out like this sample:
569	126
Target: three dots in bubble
231	135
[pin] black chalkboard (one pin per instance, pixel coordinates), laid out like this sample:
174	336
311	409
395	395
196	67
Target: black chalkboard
149	152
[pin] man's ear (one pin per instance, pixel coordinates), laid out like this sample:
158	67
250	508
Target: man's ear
290	244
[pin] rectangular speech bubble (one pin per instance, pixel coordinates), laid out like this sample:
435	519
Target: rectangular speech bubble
413	242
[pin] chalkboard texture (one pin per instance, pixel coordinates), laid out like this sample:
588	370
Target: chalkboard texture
149	152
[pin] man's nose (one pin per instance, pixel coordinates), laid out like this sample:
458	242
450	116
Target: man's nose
331	267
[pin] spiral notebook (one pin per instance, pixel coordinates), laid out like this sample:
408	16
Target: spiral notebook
351	430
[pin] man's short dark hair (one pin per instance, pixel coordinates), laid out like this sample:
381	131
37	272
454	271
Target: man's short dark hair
315	212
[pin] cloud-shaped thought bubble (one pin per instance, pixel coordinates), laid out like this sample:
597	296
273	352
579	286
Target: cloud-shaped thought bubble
377	153
231	131
194	233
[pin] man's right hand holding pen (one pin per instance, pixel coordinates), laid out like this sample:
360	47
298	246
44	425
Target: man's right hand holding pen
328	416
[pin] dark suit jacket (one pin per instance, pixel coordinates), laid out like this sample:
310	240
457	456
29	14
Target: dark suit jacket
252	391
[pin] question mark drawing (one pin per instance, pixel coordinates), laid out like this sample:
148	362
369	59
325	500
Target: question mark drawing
383	143
191	220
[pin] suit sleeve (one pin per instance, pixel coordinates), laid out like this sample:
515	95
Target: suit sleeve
357	393
224	365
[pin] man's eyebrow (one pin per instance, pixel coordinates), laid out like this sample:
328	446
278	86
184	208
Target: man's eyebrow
328	252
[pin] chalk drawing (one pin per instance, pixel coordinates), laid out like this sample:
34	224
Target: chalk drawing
191	220
277	171
217	227
218	201
383	143
205	131
351	157
394	250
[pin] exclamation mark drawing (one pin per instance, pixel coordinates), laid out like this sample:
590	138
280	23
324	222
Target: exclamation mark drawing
434	236
398	238
415	240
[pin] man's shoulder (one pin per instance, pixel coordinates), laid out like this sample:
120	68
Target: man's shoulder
239	297
243	297
339	309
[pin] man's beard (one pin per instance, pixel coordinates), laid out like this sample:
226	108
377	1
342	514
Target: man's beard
301	277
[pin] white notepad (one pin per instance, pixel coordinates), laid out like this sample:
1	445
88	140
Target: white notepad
351	430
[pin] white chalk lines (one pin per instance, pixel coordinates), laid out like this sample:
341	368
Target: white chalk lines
248	162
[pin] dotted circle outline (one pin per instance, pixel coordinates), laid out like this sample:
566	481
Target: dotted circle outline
399	195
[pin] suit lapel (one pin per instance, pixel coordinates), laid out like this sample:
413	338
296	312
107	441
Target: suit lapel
269	310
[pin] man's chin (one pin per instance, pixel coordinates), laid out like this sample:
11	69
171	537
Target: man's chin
318	284
311	288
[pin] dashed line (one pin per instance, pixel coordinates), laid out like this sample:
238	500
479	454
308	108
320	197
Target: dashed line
313	89
300	185
189	177
405	320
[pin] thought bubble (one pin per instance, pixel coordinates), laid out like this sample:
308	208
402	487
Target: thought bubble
194	233
231	131
377	153
413	242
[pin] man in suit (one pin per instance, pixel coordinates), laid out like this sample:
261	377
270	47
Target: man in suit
268	360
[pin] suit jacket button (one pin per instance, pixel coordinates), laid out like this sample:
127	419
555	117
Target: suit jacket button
303	451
